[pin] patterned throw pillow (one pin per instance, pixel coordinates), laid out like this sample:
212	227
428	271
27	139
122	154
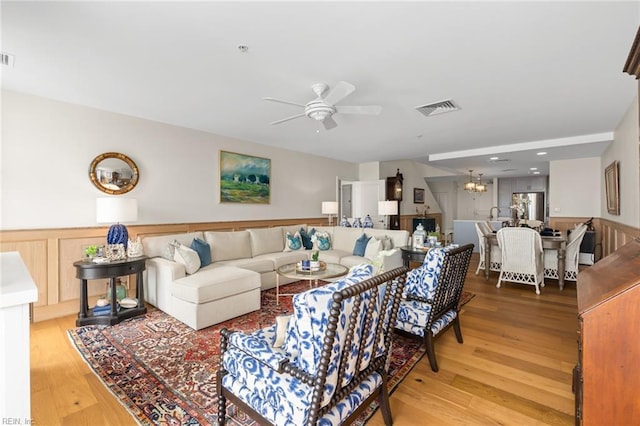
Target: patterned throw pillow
306	238
203	249
361	245
188	257
324	241
293	242
387	242
170	249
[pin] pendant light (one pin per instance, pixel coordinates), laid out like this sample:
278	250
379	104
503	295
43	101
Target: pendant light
480	187
471	185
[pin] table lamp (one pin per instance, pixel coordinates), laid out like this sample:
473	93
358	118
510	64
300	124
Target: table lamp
330	208
117	209
386	209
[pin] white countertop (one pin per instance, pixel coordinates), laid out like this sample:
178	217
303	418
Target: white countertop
16	285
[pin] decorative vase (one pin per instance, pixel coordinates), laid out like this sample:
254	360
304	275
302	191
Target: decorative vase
357	223
367	222
344	222
419	235
118	234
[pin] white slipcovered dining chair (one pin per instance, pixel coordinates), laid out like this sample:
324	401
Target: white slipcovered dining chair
572	252
521	257
496	255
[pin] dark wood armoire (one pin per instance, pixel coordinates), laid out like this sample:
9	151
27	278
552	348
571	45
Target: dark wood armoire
607	376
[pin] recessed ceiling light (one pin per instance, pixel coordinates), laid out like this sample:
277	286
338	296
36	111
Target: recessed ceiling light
536	173
542	153
243	48
533	168
494	158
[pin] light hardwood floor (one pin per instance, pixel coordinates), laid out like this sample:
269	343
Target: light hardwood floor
514	367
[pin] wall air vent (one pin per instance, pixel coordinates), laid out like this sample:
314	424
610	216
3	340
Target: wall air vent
438	107
7	59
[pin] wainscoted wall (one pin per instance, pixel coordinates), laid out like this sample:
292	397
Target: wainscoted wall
49	255
609	235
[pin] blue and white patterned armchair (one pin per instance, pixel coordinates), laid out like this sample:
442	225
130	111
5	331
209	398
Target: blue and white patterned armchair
432	294
333	362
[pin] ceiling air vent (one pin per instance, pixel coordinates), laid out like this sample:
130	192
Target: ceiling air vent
438	107
7	59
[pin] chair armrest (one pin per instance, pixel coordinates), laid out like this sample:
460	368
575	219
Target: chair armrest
259	348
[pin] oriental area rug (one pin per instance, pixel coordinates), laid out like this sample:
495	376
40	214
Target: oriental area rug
164	372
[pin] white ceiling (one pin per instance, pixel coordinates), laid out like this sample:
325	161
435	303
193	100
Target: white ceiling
525	74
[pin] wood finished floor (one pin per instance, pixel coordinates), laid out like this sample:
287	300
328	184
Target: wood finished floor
514	367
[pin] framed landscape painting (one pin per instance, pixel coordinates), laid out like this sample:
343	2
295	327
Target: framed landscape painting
244	178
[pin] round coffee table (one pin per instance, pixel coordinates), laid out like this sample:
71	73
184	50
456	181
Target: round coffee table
291	270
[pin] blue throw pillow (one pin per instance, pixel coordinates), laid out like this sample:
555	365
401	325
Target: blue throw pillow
324	241
203	249
361	245
306	238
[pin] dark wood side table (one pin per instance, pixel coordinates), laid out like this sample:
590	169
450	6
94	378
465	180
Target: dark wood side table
86	270
410	254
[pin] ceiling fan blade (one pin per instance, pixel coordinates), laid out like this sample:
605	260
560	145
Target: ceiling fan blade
329	123
339	92
289	118
283	102
363	109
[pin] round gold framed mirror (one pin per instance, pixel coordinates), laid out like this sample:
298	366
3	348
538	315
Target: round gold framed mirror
113	173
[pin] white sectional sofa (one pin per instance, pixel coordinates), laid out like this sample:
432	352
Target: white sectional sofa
243	264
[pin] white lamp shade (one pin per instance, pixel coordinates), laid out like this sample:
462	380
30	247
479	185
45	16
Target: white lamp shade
329	207
116	209
389	208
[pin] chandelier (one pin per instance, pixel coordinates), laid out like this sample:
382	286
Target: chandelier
473	186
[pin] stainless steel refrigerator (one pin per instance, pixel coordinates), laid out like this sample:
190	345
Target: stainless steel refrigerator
532	204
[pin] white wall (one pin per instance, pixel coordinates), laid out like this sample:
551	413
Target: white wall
625	150
574	188
413	174
47	147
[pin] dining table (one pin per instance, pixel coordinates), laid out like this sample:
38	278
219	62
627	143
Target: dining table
558	243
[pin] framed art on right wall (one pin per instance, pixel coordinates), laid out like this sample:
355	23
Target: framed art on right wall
611	188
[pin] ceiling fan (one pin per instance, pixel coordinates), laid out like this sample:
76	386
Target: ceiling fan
324	106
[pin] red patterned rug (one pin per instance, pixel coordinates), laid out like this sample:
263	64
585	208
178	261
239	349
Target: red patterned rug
164	372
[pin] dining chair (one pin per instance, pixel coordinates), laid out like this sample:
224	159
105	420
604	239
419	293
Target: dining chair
522	262
496	255
572	252
430	302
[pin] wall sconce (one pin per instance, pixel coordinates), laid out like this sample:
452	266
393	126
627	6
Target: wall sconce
330	208
117	209
386	209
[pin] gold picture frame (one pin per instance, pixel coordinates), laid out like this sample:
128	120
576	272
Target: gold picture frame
244	178
611	182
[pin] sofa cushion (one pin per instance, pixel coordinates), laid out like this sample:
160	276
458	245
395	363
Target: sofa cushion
286	257
203	249
335	256
228	245
154	246
361	245
266	240
259	264
345	238
215	283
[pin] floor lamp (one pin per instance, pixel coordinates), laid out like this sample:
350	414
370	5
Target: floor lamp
386	209
330	208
